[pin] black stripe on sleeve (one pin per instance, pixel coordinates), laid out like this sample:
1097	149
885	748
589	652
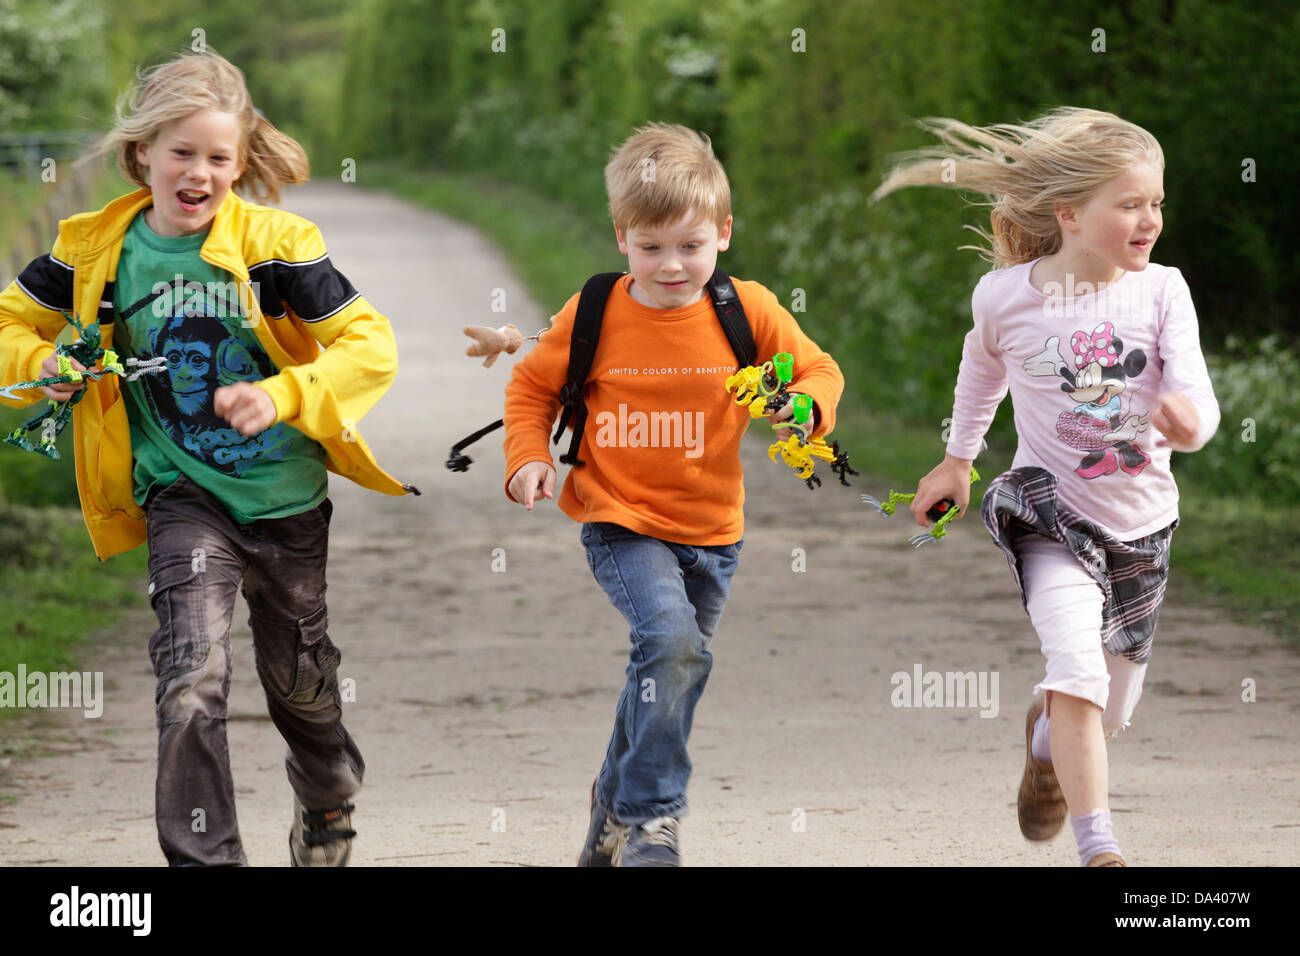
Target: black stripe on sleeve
106	304
269	297
48	282
313	290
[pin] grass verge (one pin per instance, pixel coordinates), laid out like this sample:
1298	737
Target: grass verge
56	592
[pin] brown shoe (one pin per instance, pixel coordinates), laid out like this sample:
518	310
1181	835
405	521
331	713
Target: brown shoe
1040	804
1107	859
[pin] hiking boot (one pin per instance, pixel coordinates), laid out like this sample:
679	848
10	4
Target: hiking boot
603	835
1040	804
650	844
321	837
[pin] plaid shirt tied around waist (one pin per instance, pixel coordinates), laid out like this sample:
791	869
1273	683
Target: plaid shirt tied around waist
1131	574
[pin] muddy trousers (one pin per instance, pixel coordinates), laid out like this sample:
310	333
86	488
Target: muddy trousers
198	556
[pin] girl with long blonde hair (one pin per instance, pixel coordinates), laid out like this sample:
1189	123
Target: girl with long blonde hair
1099	349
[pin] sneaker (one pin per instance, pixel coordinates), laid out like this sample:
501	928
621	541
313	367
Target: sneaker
321	837
603	835
650	844
1107	859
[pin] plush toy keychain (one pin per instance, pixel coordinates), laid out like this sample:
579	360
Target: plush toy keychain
492	342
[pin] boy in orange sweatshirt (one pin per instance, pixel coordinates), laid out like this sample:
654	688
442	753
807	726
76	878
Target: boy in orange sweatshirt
660	493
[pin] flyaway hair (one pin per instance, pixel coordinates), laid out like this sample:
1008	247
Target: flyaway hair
172	91
1024	171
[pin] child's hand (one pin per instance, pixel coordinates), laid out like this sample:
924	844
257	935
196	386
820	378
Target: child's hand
249	409
949	479
527	480
785	413
64	391
1177	418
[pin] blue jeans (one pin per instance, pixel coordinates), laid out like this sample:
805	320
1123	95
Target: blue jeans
672	596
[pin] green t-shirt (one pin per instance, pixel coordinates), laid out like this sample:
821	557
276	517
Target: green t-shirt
169	301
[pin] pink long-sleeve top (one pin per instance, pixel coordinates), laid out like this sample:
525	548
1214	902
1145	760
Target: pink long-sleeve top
1086	369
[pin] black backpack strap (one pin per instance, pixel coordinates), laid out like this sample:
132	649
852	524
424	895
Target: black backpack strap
726	302
582	352
457	460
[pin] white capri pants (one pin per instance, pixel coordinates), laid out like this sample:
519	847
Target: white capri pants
1064	604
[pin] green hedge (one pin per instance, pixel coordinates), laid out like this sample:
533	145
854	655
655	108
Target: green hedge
806	101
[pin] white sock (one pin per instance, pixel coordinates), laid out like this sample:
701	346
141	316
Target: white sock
1040	744
1092	834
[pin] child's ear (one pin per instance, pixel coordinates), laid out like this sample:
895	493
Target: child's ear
142	154
724	235
1066	216
622	239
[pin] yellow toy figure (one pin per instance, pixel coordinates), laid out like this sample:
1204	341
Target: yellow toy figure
799	453
755	385
763	389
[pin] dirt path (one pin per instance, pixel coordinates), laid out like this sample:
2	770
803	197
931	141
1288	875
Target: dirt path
487	697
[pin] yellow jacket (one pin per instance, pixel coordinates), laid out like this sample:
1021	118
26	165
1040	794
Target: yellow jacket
295	300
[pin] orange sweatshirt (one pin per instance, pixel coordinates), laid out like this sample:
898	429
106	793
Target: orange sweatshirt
662	442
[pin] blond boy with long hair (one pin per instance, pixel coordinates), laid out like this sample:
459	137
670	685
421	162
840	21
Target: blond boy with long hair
219	463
